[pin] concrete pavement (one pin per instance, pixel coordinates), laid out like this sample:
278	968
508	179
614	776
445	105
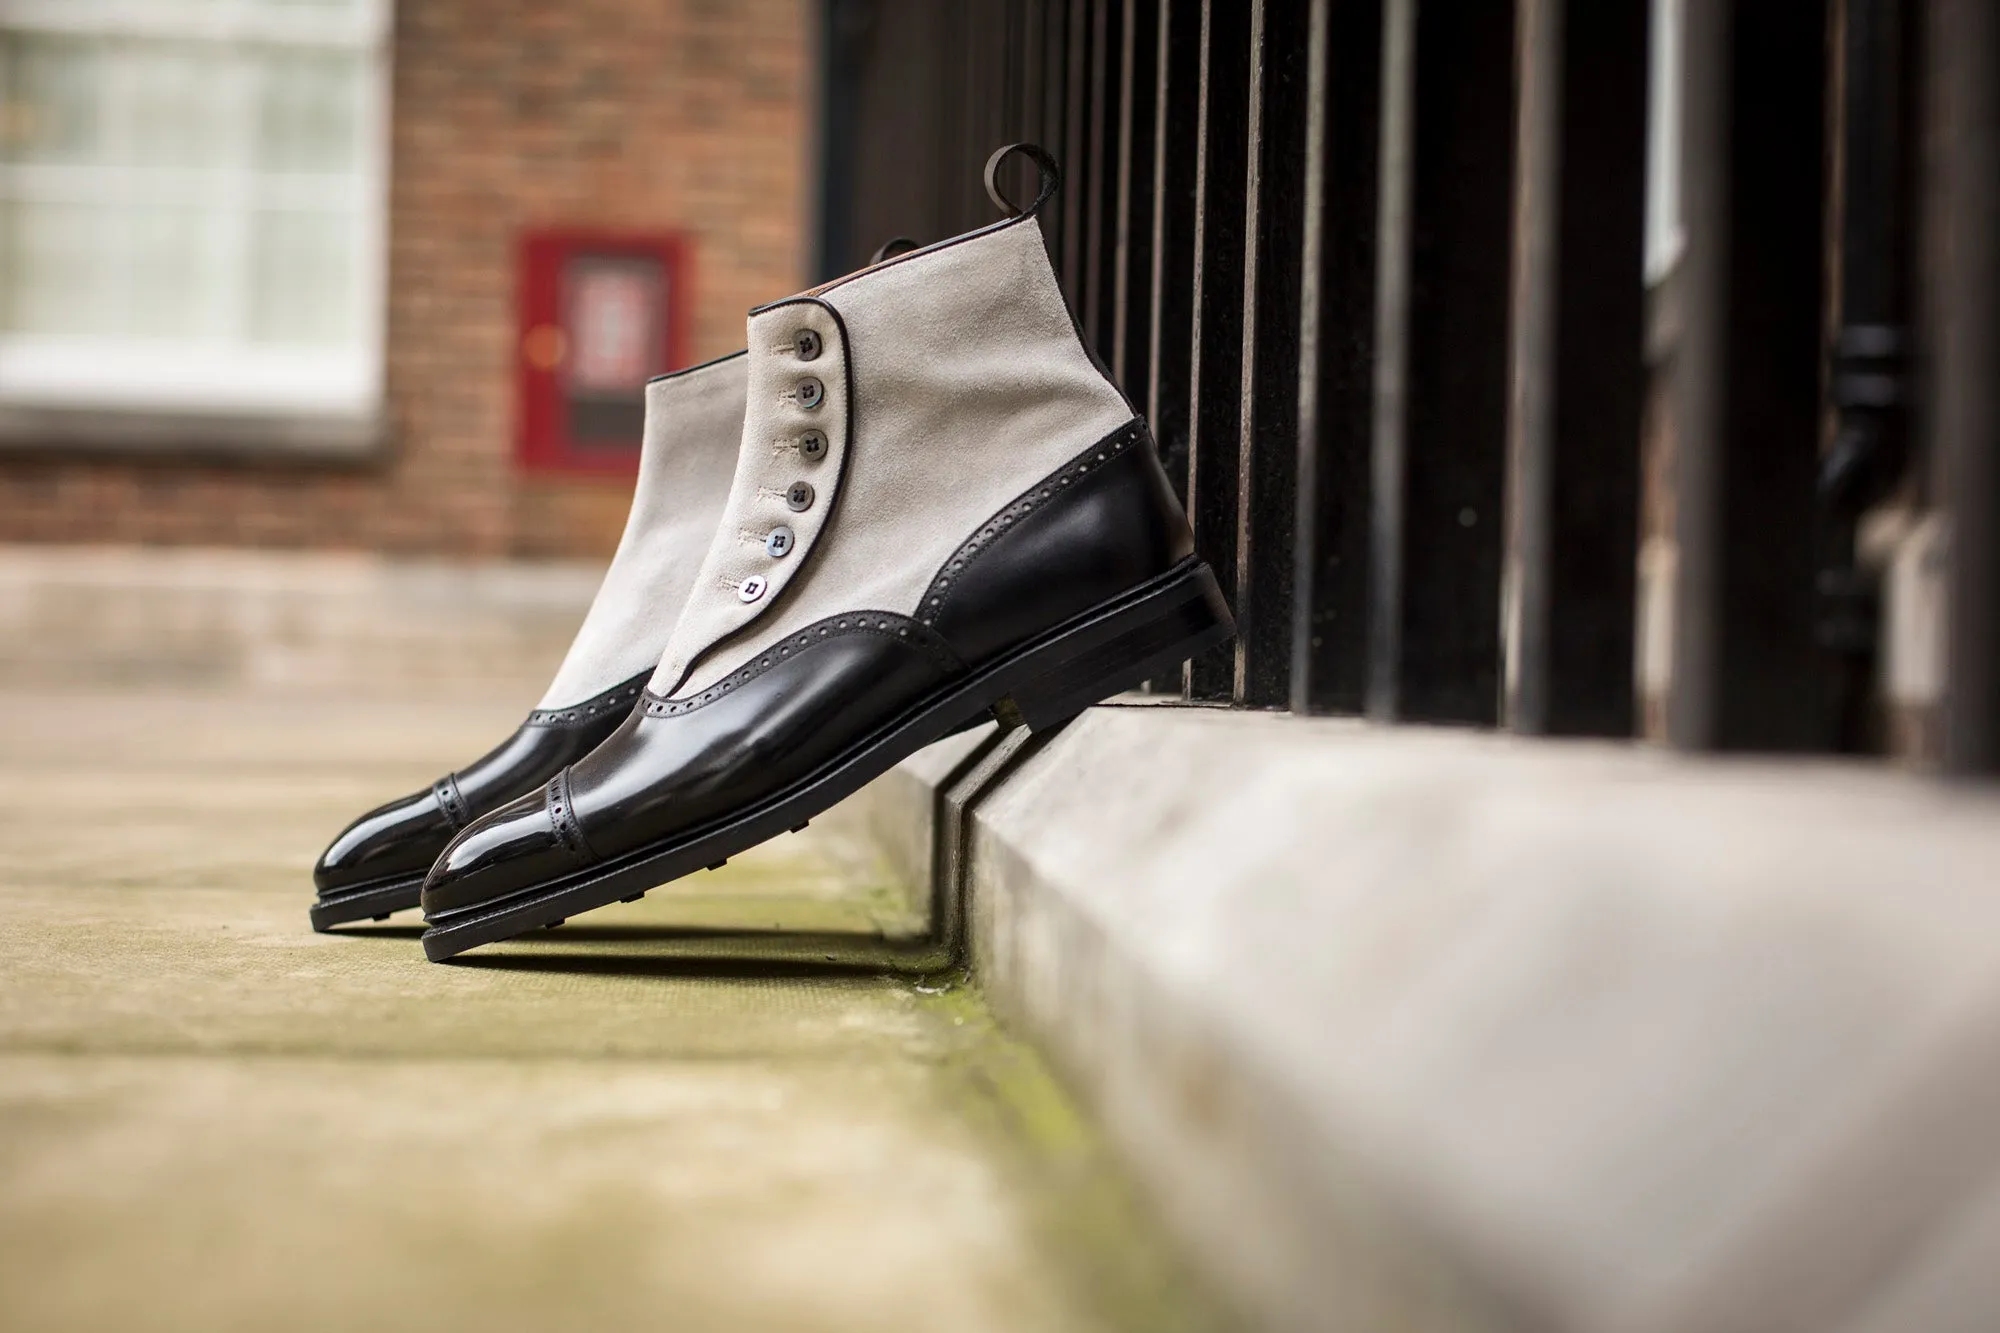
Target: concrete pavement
211	1118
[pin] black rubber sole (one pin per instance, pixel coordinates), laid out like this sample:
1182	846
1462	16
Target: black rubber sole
370	903
377	902
1112	648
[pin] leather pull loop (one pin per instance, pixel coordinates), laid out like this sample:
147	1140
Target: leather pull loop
1051	178
889	249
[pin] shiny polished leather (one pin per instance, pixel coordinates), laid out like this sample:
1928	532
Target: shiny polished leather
672	767
1103	524
1110	522
400	840
390	842
514	846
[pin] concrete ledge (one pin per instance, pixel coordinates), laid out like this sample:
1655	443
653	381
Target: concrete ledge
1416	1029
900	813
112	616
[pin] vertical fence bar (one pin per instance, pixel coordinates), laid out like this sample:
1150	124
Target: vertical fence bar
1578	377
981	91
988	54
1170	331
834	157
995	90
1268	439
1869	377
1132	291
900	125
1034	51
1040	95
1216	364
1964	49
961	100
968	88
1007	123
1744	664
1101	201
1440	427
1109	112
1055	110
1336	355
1013	80
949	113
1076	163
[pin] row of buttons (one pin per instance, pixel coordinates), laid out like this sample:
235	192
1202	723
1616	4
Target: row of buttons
799	496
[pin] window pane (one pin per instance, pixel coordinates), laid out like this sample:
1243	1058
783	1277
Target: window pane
183	189
181	279
55	270
53	111
310	114
88	100
304	279
157	271
175	105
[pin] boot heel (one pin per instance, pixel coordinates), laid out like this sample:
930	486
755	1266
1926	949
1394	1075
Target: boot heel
1122	649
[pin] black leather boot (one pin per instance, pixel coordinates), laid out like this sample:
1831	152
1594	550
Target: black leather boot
694	421
943	505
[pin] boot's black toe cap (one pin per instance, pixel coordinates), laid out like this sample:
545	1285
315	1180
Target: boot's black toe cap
514	848
396	840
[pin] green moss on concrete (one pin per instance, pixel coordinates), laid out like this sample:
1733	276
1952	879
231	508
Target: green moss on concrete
211	1118
1086	1210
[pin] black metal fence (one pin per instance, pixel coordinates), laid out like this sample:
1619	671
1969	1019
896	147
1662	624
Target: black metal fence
1373	268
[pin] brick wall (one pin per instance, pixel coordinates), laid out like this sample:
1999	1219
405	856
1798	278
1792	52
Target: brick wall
688	115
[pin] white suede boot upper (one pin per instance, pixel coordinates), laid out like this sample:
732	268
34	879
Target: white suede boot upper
952	379
693	421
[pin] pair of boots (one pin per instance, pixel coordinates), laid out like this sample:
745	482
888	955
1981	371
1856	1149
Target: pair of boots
940	508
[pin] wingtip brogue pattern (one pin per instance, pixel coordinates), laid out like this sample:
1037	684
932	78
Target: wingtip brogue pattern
376	866
886	624
933	603
694	418
997	502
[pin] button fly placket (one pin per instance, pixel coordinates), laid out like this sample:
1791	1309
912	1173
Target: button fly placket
773	506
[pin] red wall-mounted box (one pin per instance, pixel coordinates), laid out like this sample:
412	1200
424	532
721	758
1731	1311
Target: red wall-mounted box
601	313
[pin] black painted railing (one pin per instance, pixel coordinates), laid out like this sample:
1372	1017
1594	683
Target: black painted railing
1374	269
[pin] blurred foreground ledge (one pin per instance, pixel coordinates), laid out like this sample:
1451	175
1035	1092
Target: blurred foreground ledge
1427	1029
351	623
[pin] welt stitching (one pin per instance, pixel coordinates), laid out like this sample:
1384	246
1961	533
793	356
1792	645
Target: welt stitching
879	624
1096	456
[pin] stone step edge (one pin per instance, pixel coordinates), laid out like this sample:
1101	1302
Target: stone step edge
1415	1029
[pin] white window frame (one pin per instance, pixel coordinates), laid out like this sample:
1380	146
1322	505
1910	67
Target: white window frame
66	390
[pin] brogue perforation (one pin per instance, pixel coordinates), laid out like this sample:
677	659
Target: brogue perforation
1090	459
881	623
